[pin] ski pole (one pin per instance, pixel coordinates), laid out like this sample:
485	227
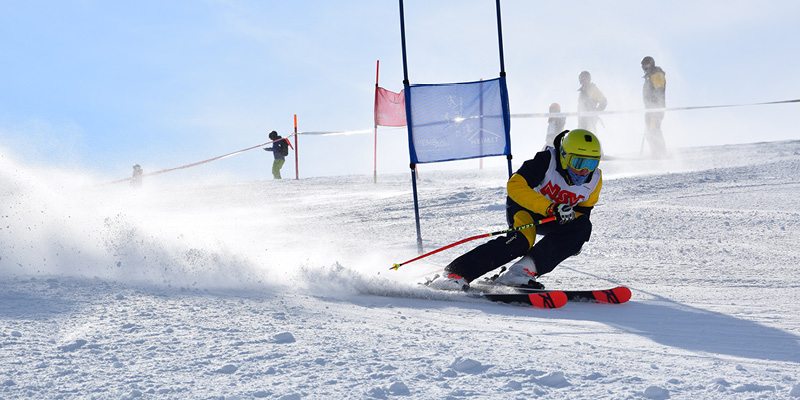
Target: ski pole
519	228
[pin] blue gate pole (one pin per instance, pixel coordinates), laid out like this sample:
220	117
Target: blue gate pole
500	39
506	112
413	166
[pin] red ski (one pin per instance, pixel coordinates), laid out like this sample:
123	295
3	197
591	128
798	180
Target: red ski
617	295
548	299
506	294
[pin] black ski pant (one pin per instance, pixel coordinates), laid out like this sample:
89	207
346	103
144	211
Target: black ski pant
558	243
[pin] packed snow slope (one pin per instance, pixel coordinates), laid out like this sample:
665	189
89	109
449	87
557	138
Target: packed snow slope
282	289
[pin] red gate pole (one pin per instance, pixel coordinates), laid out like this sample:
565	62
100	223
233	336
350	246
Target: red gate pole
375	163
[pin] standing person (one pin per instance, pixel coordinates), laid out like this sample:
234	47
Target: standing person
279	150
654	94
562	182
136	178
555	125
590	99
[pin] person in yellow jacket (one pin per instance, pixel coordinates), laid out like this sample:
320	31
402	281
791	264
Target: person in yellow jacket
564	182
654	94
590	99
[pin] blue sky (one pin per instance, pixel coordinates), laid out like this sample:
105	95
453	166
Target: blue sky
101	85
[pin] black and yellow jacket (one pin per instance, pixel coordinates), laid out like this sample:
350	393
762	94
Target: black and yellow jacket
541	182
654	89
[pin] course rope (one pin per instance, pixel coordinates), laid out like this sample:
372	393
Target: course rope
572	114
163	171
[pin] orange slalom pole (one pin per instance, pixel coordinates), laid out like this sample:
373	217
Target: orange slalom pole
375	109
519	228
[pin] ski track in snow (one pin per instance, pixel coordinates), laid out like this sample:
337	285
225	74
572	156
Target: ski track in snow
282	289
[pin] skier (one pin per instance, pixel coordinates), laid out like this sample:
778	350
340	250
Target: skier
555	125
562	182
654	94
279	150
590	99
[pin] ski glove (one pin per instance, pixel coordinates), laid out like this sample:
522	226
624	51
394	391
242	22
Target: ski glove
563	213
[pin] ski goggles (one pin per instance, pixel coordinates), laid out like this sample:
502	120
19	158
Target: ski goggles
582	165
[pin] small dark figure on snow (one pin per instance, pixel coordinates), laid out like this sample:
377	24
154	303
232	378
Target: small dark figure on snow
564	182
136	179
279	149
654	94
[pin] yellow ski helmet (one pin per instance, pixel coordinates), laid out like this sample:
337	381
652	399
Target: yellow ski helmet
580	154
